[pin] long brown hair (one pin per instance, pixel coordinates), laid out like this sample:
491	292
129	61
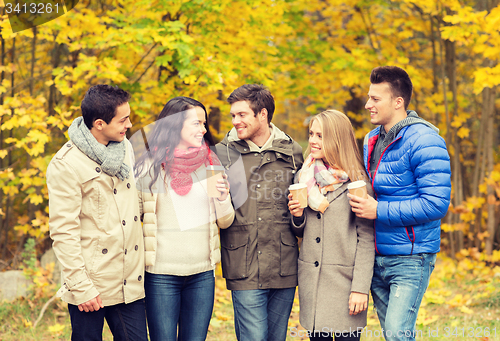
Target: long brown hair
339	143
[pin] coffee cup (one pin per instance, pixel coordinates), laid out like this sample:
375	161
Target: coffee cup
358	188
299	192
214	173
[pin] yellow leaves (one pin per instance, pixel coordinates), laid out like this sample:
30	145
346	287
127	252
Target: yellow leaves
486	77
463	132
27	323
466	310
459	300
56	329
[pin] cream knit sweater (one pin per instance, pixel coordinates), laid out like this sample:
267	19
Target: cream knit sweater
182	251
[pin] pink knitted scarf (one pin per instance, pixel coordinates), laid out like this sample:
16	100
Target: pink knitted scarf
185	163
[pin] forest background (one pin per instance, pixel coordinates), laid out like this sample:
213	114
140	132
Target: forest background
313	55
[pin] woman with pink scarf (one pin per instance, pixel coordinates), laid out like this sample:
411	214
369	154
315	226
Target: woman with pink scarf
181	217
337	252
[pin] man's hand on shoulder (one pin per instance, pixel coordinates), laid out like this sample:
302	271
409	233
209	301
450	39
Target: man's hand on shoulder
364	208
93	305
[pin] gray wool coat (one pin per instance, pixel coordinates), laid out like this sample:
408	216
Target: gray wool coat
335	259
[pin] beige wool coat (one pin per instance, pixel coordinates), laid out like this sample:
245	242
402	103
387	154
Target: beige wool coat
94	223
336	258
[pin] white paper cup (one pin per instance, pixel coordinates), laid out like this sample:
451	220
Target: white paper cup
358	188
299	192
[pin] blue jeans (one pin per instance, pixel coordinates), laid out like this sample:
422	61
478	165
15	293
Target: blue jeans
262	314
398	285
127	322
183	301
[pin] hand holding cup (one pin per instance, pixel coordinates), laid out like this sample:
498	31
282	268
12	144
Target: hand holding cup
294	206
223	187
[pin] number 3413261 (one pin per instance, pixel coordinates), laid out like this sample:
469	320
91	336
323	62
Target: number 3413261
33	8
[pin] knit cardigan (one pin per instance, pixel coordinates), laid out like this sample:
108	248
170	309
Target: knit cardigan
221	216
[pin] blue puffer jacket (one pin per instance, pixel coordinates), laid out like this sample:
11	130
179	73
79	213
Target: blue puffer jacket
412	185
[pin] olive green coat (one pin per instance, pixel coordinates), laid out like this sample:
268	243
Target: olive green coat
259	250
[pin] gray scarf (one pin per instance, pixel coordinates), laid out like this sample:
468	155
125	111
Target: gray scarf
109	157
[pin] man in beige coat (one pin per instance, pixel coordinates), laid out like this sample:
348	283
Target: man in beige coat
94	220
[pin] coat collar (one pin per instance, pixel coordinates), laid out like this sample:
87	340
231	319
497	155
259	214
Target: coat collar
331	196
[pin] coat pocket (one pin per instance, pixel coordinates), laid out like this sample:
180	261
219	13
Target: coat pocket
234	254
289	252
96	254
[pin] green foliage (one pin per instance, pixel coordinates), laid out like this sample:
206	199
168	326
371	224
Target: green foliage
29	255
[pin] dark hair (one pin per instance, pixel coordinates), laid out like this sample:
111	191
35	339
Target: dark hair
258	97
166	135
101	101
399	81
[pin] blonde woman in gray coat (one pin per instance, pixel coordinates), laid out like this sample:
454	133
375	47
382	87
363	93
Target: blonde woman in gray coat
337	253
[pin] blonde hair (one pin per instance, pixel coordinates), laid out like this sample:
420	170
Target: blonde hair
339	143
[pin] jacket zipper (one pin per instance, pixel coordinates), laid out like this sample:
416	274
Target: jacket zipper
376	196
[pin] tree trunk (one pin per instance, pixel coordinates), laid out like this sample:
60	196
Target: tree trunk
489	145
478	174
6	223
33	59
56	59
450	216
3	244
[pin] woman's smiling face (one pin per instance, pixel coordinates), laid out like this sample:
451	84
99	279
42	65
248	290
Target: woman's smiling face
193	129
316	141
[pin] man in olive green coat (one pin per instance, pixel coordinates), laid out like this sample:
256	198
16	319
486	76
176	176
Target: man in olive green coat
259	251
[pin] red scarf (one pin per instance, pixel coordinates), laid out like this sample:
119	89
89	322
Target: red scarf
185	163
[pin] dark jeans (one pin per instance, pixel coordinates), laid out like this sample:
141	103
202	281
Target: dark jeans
127	322
338	337
183	301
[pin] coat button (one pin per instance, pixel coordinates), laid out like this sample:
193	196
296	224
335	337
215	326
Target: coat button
123	222
260	285
125	251
114	191
318	239
104	251
139	278
136	247
319	215
245	150
259	252
97	169
258	186
268	159
260	219
125	282
135	218
316	264
128	185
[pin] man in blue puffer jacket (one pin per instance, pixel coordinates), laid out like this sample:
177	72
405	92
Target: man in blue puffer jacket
409	168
